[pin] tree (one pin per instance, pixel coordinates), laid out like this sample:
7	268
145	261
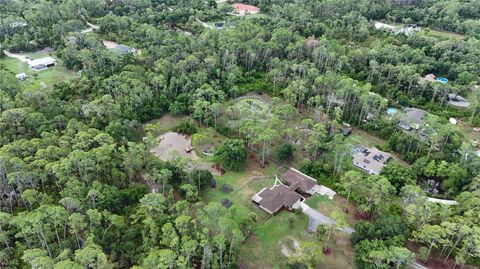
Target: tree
398	175
431	235
349	181
232	154
285	152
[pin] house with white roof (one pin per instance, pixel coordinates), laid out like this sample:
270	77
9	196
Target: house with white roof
42	63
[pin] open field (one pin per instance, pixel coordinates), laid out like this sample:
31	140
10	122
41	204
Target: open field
45	79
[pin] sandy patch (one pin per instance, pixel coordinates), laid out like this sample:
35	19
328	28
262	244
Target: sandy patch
287	251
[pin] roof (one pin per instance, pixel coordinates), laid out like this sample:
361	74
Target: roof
124	48
277	197
380	25
371	160
243	7
412	118
21	75
299	180
42	61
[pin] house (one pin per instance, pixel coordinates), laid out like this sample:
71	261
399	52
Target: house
299	181
371	160
384	26
21	76
42	63
242	9
275	198
412	118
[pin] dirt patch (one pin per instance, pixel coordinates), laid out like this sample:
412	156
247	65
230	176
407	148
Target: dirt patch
290	247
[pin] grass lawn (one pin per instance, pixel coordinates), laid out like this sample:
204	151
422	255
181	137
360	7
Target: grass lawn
45	79
263	248
164	124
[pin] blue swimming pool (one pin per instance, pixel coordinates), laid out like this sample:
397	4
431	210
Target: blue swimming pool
392	111
442	80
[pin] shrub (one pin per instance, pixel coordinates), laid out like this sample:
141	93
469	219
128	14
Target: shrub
187	127
285	152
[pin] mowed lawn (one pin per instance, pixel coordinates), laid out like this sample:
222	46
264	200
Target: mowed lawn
45	79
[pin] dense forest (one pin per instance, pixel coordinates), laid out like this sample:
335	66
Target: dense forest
74	157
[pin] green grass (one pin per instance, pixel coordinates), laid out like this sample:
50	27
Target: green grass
46	78
262	248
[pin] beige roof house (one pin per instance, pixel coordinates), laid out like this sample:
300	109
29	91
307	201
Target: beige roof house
371	160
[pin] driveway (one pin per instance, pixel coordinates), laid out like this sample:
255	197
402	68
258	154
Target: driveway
317	218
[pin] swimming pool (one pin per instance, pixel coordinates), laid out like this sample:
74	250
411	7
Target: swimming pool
392	111
442	80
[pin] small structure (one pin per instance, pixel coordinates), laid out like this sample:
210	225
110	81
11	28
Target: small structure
227	188
226	203
242	9
219	25
371	160
208	150
42	63
21	76
457	101
412	118
346	131
452	121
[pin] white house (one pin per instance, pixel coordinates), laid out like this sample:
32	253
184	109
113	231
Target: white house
42	63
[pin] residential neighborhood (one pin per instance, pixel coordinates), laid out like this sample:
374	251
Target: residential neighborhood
225	134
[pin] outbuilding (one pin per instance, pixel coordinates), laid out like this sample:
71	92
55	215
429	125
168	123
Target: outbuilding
21	76
42	63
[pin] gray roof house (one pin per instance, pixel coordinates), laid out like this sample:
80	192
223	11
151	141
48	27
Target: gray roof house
412	118
371	160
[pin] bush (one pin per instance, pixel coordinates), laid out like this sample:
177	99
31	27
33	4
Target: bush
232	154
423	254
285	152
187	127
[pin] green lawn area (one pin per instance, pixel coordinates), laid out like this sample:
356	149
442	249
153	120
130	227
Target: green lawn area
445	34
263	248
363	138
164	124
45	79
